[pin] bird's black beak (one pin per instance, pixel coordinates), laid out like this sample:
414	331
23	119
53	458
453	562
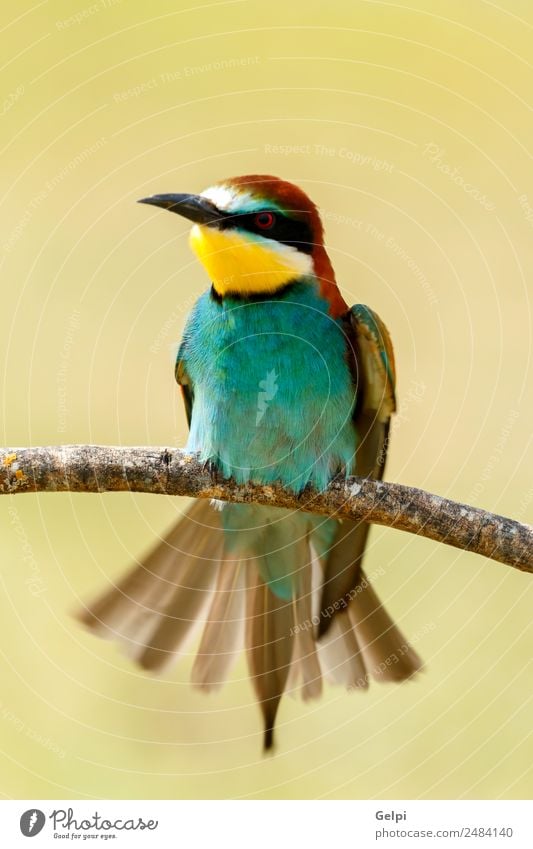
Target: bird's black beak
194	207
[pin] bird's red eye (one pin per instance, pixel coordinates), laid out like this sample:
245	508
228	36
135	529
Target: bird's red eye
265	220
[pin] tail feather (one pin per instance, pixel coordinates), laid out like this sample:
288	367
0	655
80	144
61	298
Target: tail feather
144	592
157	608
122	611
306	664
224	630
166	627
174	626
270	644
341	568
387	654
340	654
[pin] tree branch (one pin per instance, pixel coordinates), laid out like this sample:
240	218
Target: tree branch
170	471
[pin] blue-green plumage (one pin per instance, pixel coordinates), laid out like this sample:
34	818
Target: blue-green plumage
273	392
273	401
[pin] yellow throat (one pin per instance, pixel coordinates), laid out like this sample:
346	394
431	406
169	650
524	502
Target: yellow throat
238	262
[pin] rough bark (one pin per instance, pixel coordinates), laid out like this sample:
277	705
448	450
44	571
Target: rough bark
171	471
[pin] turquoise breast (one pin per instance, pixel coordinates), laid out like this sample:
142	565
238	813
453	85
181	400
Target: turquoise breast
273	393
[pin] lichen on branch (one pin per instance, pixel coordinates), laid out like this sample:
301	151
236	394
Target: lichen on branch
171	471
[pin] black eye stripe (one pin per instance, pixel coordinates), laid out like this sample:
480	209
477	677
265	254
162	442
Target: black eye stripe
265	220
288	231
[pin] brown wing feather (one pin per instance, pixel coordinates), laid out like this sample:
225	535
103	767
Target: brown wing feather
369	353
185	384
382	649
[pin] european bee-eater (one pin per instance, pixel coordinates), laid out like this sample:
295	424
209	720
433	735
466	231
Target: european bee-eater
282	381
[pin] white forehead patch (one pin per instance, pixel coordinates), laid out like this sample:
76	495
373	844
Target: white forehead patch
232	199
222	196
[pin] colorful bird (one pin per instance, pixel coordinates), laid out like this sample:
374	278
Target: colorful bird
282	381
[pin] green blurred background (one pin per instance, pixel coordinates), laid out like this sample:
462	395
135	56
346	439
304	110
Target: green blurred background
410	124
